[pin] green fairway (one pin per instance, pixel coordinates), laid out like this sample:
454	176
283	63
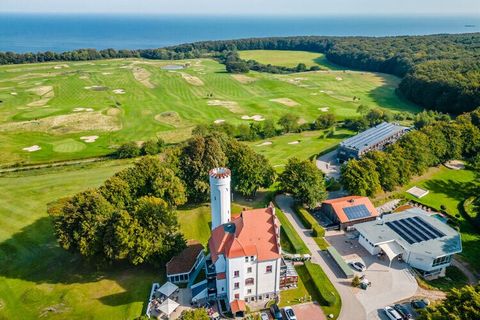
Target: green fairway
287	58
301	145
58	107
450	188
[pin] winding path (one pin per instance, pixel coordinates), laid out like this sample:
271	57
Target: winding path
351	307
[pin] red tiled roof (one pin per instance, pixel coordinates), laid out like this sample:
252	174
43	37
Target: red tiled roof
184	262
340	203
237	306
251	234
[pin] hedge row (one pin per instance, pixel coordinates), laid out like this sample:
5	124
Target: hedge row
325	288
309	221
293	238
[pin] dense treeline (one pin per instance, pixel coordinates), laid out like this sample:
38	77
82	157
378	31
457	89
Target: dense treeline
439	71
430	145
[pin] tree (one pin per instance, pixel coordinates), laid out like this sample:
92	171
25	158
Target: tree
460	304
386	169
238	66
250	170
198	156
128	150
288	122
152	147
301	67
360	177
195	314
117	192
304	181
325	121
357	125
268	129
363	109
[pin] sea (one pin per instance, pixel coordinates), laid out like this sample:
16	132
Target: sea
47	32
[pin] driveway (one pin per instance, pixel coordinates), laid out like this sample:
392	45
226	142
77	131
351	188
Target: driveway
351	306
308	311
389	284
329	165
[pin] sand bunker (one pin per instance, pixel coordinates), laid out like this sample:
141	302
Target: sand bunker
338	78
294	142
61	66
243	78
83	77
113	111
173	67
106	73
266	143
194	81
118	91
256	117
169	117
142	76
74	122
285	101
218	121
455	164
97	88
45	92
230	105
89	139
324	109
81	109
32	148
13	93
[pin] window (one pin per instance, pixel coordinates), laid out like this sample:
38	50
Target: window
249	291
441	260
268	269
236	285
249	269
252	258
237	296
236	274
246	259
222	289
249	281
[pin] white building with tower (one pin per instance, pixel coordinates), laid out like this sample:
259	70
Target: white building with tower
245	254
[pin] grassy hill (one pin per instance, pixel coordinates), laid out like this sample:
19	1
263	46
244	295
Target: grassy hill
60	107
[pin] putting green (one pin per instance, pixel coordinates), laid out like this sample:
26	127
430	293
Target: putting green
68	146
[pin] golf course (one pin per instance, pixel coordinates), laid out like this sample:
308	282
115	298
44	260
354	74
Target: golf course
75	110
63	111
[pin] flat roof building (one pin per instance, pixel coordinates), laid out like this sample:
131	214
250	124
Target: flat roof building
421	240
347	211
371	139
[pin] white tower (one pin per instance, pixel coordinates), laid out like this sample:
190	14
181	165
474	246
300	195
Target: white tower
220	196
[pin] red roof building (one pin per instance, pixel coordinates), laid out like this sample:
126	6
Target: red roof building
350	210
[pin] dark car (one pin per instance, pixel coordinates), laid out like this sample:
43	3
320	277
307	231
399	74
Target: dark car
403	311
418	304
275	311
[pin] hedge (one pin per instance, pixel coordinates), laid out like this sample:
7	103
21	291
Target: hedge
309	221
297	243
325	288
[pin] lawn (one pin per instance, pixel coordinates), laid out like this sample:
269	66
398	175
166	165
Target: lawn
54	105
287	58
450	188
454	279
279	149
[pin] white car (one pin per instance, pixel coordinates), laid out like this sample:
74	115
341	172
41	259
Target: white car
392	313
289	313
264	316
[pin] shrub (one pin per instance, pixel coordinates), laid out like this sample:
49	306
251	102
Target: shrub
318	231
128	150
355	281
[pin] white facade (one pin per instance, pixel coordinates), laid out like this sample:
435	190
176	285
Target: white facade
220	196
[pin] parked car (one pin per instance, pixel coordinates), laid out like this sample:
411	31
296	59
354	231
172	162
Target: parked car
419	303
275	311
360	267
404	312
289	313
392	313
264	316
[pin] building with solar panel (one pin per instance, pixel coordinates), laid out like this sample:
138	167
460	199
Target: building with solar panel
421	240
347	211
375	138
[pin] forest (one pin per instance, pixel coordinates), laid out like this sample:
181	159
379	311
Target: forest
440	72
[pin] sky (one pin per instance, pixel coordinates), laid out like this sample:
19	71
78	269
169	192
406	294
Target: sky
247	7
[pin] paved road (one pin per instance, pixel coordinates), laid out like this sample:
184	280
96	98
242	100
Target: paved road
329	165
351	307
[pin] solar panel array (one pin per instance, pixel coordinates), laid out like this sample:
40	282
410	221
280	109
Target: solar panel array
357	212
372	136
415	229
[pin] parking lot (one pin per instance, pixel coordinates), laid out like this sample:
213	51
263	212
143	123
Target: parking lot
388	284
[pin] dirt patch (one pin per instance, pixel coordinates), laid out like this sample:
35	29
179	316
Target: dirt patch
455	164
194	81
243	78
113	111
75	122
169	117
230	105
45	92
285	101
142	76
32	148
55	309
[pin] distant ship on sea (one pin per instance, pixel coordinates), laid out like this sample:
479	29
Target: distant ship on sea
470	26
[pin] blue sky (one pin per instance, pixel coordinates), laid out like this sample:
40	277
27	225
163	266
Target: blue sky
259	7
